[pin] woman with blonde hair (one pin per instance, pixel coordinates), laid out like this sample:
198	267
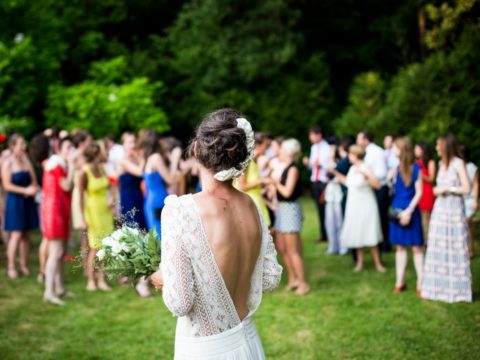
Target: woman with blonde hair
405	219
361	227
288	216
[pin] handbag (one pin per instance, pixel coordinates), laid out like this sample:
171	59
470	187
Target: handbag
393	214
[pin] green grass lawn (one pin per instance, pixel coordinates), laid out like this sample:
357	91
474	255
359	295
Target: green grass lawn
346	316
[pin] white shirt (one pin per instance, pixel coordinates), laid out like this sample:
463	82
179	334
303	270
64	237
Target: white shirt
375	160
115	155
392	161
321	152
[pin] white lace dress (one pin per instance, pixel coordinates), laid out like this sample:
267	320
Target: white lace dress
209	326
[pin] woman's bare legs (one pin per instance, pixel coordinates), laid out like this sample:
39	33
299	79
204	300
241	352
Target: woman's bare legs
359	264
401	258
42	258
282	249
24	247
418	263
293	250
93	274
13	243
53	269
376	259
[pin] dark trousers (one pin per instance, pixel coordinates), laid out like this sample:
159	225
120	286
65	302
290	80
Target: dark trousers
318	189
383	201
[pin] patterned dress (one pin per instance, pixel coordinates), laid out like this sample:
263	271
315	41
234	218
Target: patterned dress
447	275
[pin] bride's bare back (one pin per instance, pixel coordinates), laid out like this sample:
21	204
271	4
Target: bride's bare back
233	230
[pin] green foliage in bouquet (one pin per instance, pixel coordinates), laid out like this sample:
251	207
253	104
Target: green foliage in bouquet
129	252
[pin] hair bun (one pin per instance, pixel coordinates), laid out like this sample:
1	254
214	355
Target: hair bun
221	144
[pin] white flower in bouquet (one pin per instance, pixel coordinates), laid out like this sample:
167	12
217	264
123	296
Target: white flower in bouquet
130	252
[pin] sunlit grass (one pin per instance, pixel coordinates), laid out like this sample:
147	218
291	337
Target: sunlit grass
347	316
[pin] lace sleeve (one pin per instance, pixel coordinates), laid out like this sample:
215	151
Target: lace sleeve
176	267
272	271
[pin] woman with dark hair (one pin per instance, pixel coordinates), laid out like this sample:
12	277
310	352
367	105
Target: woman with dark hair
21	216
217	253
447	276
96	209
406	228
156	176
428	171
56	211
39	153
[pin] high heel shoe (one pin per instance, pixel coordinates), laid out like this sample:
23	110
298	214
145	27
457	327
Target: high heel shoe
25	271
12	274
399	289
53	300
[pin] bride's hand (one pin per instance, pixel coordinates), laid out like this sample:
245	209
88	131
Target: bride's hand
157	280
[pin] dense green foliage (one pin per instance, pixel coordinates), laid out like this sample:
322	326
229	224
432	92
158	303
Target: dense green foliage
391	66
347	316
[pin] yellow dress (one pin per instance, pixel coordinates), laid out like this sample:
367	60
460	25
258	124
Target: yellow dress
251	175
98	215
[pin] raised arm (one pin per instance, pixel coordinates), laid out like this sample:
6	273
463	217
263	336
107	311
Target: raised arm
176	268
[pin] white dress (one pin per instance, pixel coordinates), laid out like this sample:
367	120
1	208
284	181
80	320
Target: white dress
208	326
361	226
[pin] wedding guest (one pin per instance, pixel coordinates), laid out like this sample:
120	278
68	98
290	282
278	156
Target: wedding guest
289	217
130	176
318	163
251	182
375	160
428	168
97	211
391	159
20	185
157	177
333	208
55	216
115	155
406	225
275	168
217	254
39	153
471	199
172	153
447	276
361	226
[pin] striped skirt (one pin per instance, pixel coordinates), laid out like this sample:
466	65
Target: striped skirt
447	276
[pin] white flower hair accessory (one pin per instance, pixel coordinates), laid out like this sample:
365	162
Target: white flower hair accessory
233	172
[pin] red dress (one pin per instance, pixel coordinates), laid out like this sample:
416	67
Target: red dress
56	202
427	199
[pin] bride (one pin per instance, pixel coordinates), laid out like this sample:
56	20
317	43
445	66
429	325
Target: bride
217	254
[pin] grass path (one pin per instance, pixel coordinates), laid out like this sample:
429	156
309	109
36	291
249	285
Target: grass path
347	316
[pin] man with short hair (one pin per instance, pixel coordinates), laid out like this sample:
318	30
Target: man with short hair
318	163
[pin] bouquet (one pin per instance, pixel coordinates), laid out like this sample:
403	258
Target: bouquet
129	252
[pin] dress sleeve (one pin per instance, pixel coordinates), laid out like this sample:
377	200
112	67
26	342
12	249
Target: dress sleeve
272	271
176	267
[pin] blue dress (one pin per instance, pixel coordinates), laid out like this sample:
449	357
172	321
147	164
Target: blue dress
154	200
20	212
131	200
412	234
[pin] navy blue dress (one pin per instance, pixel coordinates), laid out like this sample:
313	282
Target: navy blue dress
412	234
131	201
20	212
